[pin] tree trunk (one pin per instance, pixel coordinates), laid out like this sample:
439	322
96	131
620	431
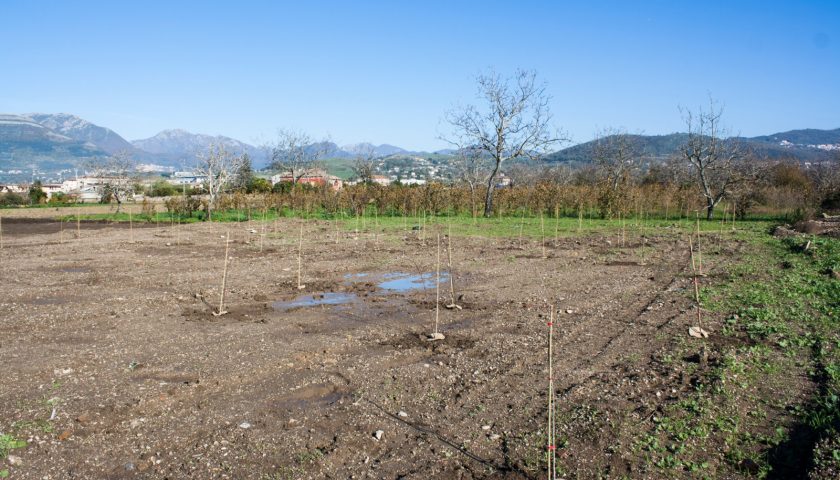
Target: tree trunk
488	199
710	208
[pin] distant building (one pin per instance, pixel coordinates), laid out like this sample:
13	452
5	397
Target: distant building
190	179
315	177
503	181
413	181
380	180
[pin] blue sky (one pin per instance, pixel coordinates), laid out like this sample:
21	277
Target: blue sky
387	71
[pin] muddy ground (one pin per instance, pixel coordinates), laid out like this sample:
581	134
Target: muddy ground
114	366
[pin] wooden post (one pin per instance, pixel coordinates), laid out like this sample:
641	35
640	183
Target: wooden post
300	286
699	254
542	230
437	335
550	430
130	226
453	302
224	277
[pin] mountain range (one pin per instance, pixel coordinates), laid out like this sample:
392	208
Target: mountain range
52	142
808	145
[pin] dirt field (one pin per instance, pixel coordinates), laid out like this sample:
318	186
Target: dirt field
114	366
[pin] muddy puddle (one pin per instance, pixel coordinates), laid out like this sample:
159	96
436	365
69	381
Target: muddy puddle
400	282
386	284
314	300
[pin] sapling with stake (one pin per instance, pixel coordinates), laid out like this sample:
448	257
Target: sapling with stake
551	427
437	335
698	330
542	233
300	286
453	303
222	310
699	253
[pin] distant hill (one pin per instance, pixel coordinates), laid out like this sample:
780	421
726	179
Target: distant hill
81	130
808	136
378	150
180	147
26	144
804	145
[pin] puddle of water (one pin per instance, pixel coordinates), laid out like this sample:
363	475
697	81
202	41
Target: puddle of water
351	276
406	282
328	298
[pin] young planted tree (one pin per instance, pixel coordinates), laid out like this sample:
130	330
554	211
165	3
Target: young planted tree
217	167
711	154
514	122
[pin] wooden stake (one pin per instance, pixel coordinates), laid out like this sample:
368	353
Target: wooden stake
542	229
130	227
224	278
453	303
78	224
1	232
699	254
551	447
696	283
437	335
300	286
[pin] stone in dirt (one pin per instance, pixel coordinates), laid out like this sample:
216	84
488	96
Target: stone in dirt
15	460
402	414
378	435
698	332
435	336
245	425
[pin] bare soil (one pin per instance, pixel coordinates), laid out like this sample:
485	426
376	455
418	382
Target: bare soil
116	342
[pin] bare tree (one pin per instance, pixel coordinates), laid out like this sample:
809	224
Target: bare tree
115	176
711	154
295	152
364	164
471	167
617	155
514	122
217	167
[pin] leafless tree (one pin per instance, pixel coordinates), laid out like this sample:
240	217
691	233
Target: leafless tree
617	155
364	164
711	153
471	166
296	152
218	167
513	122
115	176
